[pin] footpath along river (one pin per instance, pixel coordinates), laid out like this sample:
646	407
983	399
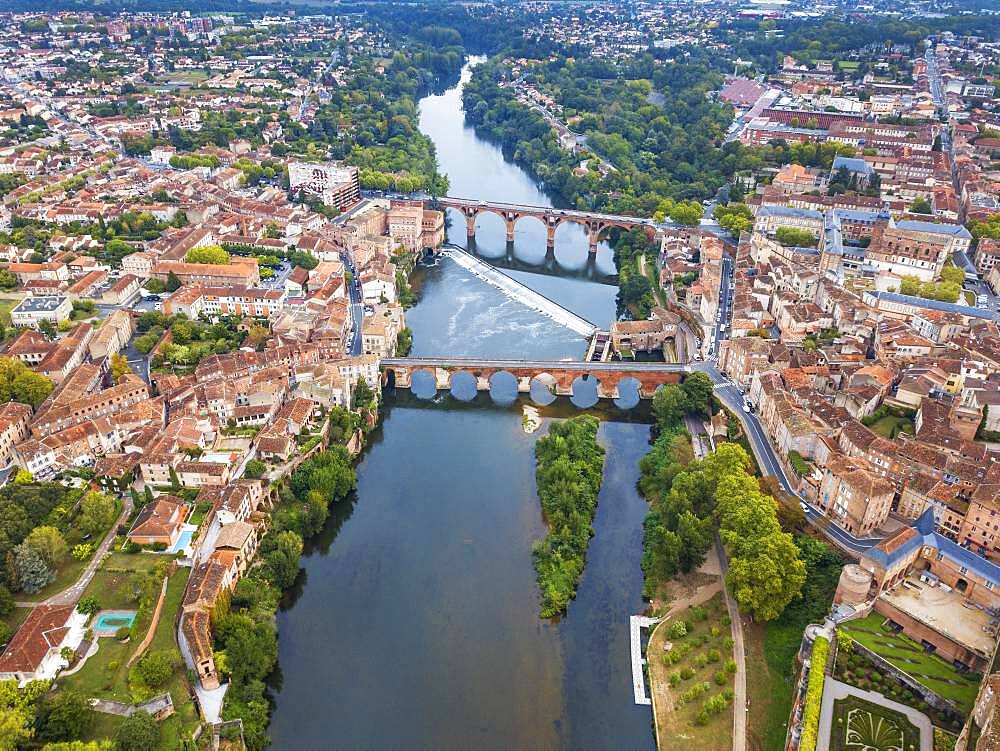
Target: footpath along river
415	623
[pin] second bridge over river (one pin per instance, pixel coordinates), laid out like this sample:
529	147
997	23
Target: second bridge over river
558	376
595	223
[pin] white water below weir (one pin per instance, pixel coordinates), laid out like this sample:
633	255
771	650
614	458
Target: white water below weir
517	291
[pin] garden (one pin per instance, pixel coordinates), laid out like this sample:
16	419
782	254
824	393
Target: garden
126	582
907	655
693	656
860	725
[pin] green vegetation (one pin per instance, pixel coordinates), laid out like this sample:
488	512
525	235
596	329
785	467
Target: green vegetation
39	522
635	290
404	342
989	229
907	655
190	161
208	254
795	237
132	582
19	383
191	341
569	468
772	647
799	464
695	662
735	218
814	693
689	499
945	291
245	637
861	724
890	421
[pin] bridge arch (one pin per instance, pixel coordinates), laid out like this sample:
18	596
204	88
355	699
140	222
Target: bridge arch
423	383
543	388
628	393
586	390
503	387
462	385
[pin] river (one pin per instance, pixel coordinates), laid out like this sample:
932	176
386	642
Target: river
415	623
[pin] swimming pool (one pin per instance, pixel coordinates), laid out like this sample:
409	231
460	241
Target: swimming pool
182	542
113	621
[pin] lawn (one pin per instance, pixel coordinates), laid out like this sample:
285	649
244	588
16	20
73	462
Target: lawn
690	674
860	725
907	655
5	307
772	674
105	675
890	427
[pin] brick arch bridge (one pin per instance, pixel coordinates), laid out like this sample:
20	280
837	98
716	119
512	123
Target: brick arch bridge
593	222
557	375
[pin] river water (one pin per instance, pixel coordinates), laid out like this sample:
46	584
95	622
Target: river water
415	623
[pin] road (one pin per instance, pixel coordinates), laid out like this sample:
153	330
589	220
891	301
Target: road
357	304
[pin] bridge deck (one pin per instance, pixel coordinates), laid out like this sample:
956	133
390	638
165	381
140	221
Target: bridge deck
595	367
454	202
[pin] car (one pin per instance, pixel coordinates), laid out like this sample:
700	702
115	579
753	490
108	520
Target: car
805	506
746	408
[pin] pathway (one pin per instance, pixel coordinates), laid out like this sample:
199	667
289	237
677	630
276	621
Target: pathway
834	689
635	625
740	707
71	594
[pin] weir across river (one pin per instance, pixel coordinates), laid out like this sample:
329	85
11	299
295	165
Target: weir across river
517	291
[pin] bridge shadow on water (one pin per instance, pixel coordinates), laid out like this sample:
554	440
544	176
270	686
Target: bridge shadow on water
514	258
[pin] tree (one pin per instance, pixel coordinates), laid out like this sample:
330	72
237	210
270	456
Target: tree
49	543
65	716
687	212
363	397
21	384
155	286
255	469
97	512
669	406
6	602
15	728
32	571
156	668
698	392
921	205
7	279
23	477
137	732
768	578
119	367
282	560
89	605
212	254
104	745
173	282
251	647
175	482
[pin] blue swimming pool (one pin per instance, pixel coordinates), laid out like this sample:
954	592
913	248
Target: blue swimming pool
113	621
182	542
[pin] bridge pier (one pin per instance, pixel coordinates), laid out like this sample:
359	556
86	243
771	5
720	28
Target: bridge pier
550	232
470	224
593	235
607	392
510	221
524	385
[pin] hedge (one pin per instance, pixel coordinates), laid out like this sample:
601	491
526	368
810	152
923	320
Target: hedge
814	694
